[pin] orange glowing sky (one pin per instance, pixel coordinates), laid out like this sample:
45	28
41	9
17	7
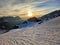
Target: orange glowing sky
23	8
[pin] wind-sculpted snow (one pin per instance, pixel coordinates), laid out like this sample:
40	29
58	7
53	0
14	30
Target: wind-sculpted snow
44	34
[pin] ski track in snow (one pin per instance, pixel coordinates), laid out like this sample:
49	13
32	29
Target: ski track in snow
41	34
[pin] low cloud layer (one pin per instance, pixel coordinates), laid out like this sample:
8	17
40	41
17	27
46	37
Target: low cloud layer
20	7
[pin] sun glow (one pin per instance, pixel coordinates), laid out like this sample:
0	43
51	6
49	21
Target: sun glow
30	13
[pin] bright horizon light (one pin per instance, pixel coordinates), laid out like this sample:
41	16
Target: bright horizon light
30	13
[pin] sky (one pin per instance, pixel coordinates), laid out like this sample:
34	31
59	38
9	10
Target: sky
21	7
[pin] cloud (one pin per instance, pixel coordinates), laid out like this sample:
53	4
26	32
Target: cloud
49	3
20	7
17	5
16	2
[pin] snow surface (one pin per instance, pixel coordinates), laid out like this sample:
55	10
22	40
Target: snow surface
40	34
29	24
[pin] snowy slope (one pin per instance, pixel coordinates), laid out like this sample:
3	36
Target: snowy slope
29	24
41	34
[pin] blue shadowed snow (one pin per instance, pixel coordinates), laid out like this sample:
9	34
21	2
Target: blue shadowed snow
29	24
